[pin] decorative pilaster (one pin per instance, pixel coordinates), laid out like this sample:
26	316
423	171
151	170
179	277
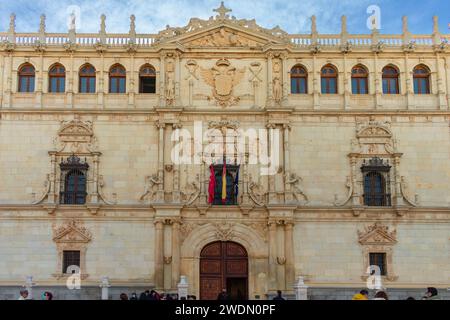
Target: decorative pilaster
160	193
269	79
272	178
176	193
176	252
159	254
272	256
347	84
289	253
409	84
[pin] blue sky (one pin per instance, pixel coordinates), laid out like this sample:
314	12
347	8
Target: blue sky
292	15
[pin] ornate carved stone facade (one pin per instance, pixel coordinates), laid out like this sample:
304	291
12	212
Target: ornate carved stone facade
231	76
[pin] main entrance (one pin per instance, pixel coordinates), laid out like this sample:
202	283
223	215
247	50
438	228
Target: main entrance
224	265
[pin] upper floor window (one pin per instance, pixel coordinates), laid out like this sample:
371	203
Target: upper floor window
390	80
117	79
376	183
329	80
147	79
73	181
299	80
57	76
360	80
26	78
87	79
223	187
421	80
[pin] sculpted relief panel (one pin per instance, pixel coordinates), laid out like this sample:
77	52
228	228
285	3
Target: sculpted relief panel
223	78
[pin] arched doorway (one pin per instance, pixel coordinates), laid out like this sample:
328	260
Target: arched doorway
224	265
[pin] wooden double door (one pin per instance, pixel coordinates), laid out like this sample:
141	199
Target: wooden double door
224	265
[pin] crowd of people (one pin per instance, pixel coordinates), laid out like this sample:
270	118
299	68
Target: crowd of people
430	294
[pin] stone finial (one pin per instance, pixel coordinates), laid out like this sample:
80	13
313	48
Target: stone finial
133	25
436	34
405	25
42	24
222	11
12	23
102	24
313	25
435	25
73	22
344	25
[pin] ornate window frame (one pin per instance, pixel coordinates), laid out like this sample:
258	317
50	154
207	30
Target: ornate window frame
72	236
374	139
75	139
378	239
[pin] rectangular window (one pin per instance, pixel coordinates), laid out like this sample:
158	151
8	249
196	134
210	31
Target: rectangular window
148	85
379	260
359	86
329	86
298	86
70	258
390	86
87	85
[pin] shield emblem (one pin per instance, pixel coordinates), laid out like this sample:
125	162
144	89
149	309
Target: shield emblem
224	84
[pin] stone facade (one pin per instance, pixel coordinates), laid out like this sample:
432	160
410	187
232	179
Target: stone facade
147	219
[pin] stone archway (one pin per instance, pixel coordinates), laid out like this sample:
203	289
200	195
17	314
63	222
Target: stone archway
224	265
255	245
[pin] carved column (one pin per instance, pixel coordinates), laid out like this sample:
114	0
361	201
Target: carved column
447	79
70	89
8	81
159	254
175	252
285	77
52	196
162	80
440	83
132	84
272	256
287	164
397	183
281	256
409	84
177	80
176	193
39	81
101	83
160	193
245	196
316	84
269	79
203	198
272	178
95	173
289	253
347	84
356	198
378	83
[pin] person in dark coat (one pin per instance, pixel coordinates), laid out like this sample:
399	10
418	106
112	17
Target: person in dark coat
145	295
279	296
223	295
134	296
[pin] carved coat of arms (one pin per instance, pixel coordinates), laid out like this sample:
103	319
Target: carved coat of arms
223	78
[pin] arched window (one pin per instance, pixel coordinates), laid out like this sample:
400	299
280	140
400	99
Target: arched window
147	79
360	80
57	76
421	80
117	79
390	80
26	78
73	181
329	80
87	79
299	80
